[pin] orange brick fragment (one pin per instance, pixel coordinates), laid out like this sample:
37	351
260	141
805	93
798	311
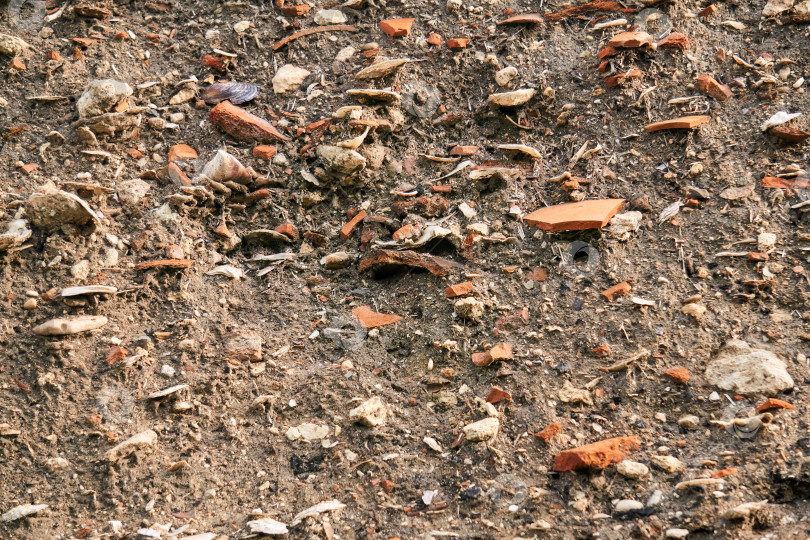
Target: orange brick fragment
295	11
601	351
84	42
215	62
369	318
116	353
16	65
435	40
678	374
785	183
264	151
498	394
549	431
180	152
243	125
709	86
397	27
607	52
29	168
537	274
773	403
346	230
675	40
620	289
630	40
288	229
685	122
596	455
463	150
459	289
708	11
134	153
53	55
575	216
457	43
501	351
725	472
621	78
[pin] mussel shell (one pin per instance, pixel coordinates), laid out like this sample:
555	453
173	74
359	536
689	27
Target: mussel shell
235	92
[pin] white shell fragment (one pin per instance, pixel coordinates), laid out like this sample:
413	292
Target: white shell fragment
167	391
267	526
228	271
370	413
17	233
87	289
522	148
512	99
370	94
381	68
778	119
483	430
70	325
145	440
19	512
318	509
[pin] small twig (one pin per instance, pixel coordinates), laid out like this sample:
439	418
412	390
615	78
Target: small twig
518	125
315	30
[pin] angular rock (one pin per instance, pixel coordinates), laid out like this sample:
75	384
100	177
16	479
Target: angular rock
70	325
101	95
329	16
632	469
397	27
243	125
16	234
512	99
628	505
742	369
469	309
288	77
372	413
575	216
341	162
668	463
709	86
51	208
12	45
596	455
21	511
383	261
143	441
244	345
482	430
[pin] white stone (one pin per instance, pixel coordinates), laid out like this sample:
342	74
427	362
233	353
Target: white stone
483	430
70	325
689	421
81	269
512	99
21	511
345	54
100	97
470	309
505	75
341	161
145	440
372	413
308	432
131	192
627	505
744	370
288	77
766	241
632	469
677	533
668	463
329	16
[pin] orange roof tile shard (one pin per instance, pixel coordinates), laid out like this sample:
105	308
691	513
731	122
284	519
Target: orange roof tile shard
575	216
630	40
397	27
596	455
685	122
371	319
524	18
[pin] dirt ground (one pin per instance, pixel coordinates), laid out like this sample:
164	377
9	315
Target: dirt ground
231	447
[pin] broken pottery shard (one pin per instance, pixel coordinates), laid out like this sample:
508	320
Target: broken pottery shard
501	351
12	45
70	325
397	27
267	526
164	263
742	369
371	319
17	233
596	455
340	161
382	261
621	78
288	77
317	510
790	134
167	391
686	122
483	430
89	289
512	99
371	95
21	511
371	413
709	86
243	125
381	68
524	18
51	208
575	216
521	148
101	95
145	440
629	40
675	40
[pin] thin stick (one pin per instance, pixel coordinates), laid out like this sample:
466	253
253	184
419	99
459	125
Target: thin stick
317	29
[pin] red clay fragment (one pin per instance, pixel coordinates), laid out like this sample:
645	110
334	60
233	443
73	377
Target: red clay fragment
346	230
501	351
596	455
709	86
459	289
242	125
383	261
785	183
773	403
497	395
575	216
369	318
630	40
686	122
548	432
164	263
675	40
678	374
621	78
181	152
457	43
620	289
397	27
790	134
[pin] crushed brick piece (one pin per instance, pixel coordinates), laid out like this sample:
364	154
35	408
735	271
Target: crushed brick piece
459	289
596	455
773	403
384	261
264	151
709	86
620	289
457	43
181	152
295	11
575	216
346	230
243	125
725	472
620	78
675	40
501	351
397	27
370	319
678	374
498	394
630	40
288	229
549	431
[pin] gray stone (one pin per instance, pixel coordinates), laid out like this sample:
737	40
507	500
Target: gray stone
100	97
744	370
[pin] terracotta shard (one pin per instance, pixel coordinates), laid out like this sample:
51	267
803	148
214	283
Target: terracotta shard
773	403
675	40
497	395
384	261
621	78
575	216
180	152
596	455
501	351
164	263
785	183
314	30
790	134
346	230
685	122
397	27
242	125
459	289
549	431
630	40
678	374
709	86
371	319
620	289
524	18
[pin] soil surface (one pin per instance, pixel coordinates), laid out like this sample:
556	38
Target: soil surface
273	356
